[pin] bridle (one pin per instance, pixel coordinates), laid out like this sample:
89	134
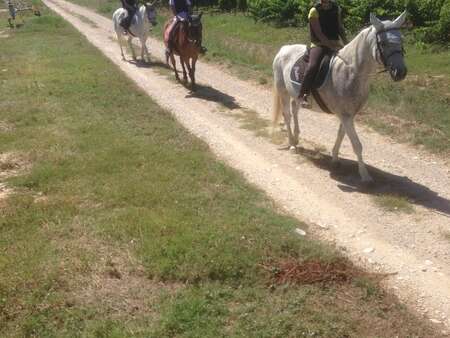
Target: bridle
385	58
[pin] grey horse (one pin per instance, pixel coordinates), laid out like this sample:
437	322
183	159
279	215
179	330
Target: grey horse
346	88
140	27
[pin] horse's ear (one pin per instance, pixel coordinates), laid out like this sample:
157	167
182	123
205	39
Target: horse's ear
376	22
400	20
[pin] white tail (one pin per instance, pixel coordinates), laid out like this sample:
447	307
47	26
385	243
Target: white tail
276	109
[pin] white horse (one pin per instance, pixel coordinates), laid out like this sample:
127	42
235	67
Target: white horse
346	88
139	28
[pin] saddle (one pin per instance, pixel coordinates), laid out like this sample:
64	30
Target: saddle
298	73
299	68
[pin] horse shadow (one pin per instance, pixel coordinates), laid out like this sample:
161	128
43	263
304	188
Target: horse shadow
211	94
201	91
148	64
346	173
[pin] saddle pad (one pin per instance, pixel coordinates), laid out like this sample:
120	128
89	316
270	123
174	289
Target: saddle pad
299	68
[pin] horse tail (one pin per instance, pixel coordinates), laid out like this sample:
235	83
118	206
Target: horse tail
277	106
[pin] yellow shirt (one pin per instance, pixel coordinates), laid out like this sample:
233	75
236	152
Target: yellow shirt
314	14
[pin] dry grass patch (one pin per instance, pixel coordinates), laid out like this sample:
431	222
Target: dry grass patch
291	271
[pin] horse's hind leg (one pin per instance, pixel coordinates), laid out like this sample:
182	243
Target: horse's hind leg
183	65
144	49
130	45
349	127
287	117
174	65
337	144
120	40
294	112
192	71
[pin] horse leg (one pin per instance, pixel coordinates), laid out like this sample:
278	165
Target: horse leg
183	65
294	112
120	40
349	127
146	49
337	144
130	45
174	65
192	71
287	118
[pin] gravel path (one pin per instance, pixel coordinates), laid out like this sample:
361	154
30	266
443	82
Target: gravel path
413	247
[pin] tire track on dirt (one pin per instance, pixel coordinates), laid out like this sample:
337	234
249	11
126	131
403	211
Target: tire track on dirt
412	246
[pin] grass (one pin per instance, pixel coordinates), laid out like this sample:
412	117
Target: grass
121	223
394	203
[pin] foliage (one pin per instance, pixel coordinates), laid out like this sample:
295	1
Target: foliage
431	17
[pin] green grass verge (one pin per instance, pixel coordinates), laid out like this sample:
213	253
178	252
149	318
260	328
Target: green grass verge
122	224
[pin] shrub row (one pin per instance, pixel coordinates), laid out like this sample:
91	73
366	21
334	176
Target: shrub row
431	17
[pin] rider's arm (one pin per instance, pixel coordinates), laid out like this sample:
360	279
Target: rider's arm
172	7
341	28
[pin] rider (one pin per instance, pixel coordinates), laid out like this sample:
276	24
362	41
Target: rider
181	10
325	25
131	7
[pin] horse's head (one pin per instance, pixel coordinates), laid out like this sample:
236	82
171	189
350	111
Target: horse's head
195	29
150	12
389	45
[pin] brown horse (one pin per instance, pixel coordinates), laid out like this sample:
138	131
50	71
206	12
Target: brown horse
186	43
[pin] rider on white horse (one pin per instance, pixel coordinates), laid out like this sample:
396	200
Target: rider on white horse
131	6
325	24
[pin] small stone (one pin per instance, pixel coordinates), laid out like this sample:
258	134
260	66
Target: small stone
300	232
435	321
368	250
297	168
428	262
424	269
4	70
323	226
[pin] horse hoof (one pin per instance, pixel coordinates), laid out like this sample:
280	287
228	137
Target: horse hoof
293	149
284	147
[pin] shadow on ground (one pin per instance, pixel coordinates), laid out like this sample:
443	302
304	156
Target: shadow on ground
201	91
346	173
210	94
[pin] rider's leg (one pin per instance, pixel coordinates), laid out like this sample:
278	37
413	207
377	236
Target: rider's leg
316	55
126	22
171	33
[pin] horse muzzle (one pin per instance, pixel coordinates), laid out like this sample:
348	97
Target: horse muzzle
398	73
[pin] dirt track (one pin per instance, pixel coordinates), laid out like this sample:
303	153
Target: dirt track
411	246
